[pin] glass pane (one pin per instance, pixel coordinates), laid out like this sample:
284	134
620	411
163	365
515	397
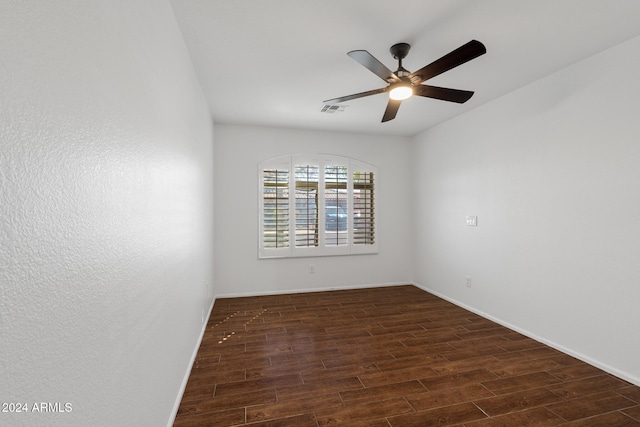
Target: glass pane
363	209
336	219
275	199
306	206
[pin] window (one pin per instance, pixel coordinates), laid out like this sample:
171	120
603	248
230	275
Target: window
316	205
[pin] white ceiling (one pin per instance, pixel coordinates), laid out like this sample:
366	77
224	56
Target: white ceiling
274	62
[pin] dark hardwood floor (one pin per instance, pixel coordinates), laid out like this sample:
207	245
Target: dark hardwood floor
394	356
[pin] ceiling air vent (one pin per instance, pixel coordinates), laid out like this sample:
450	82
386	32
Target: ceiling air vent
333	108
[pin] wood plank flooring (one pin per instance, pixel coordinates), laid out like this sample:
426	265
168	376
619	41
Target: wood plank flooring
393	356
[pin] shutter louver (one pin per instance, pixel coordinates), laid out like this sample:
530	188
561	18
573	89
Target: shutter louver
306	178
275	193
335	199
363	208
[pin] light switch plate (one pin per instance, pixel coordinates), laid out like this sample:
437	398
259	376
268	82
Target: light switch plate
472	220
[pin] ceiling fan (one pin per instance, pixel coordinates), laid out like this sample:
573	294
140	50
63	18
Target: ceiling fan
403	84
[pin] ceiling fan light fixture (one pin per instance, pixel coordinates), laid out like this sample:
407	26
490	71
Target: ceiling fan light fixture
400	93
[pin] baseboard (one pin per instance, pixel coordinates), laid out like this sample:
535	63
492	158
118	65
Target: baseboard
183	386
323	289
613	371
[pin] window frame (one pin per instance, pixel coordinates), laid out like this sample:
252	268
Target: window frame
290	162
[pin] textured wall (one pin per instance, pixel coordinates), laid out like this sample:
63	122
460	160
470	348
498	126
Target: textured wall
552	172
106	187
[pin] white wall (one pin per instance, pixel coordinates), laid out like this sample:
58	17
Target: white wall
553	173
238	151
105	211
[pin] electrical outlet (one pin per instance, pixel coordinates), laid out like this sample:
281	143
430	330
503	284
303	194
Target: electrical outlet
468	281
472	220
312	268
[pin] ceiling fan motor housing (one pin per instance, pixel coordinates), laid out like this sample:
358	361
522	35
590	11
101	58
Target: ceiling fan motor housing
400	50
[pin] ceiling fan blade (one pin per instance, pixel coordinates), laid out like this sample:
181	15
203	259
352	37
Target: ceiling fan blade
391	111
459	56
355	96
373	65
443	93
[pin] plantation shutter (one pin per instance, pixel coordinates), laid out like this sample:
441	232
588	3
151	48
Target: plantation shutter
336	205
363	208
306	195
275	208
316	205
